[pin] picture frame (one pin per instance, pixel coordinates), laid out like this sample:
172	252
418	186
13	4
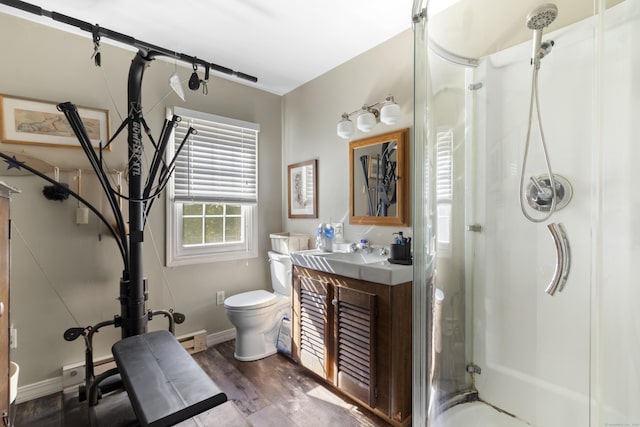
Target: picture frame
34	122
374	162
302	195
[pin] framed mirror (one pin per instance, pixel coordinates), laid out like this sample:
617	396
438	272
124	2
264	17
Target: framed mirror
378	172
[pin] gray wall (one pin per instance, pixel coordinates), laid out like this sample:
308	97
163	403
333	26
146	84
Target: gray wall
312	112
60	270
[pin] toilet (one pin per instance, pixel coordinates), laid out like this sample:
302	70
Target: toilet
257	315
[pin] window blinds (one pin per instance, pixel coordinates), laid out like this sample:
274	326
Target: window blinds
444	168
218	164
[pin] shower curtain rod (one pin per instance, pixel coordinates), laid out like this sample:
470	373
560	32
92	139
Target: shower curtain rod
96	30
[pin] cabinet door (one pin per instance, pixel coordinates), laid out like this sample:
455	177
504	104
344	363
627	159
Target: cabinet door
355	343
314	332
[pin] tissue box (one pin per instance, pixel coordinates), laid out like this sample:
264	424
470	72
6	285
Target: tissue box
286	243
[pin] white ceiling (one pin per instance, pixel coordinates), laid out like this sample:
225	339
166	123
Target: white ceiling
284	43
473	29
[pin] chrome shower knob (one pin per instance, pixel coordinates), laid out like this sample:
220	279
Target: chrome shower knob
539	193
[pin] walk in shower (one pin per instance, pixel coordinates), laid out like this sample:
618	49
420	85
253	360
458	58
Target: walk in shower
511	198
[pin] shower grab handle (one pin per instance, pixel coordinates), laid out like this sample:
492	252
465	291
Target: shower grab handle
563	258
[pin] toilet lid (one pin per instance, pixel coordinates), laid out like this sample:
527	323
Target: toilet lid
250	300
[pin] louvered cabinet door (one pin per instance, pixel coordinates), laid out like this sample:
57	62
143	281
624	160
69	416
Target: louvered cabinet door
355	343
314	314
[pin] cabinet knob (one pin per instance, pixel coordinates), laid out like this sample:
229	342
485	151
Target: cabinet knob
1	308
334	301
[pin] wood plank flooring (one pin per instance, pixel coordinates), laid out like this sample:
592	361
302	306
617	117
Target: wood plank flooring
272	392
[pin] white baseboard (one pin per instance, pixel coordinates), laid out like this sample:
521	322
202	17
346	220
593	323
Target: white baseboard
54	385
39	389
221	336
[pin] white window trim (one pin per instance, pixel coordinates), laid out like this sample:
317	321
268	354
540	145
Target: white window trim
444	191
178	255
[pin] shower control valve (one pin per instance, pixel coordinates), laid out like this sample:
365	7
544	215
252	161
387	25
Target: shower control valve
539	193
544	189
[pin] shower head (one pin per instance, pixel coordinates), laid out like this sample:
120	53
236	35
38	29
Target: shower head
539	18
542	16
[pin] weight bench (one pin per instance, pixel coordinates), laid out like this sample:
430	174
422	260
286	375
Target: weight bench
165	385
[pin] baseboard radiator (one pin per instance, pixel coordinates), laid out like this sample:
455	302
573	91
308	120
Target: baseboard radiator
74	374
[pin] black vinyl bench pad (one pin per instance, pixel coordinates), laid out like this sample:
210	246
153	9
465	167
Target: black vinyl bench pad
164	383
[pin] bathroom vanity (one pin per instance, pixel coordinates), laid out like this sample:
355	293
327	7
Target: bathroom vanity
353	333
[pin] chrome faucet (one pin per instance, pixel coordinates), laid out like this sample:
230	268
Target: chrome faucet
364	246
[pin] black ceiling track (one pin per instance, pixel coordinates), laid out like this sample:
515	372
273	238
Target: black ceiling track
123	38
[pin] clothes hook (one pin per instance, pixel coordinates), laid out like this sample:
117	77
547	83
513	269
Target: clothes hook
205	88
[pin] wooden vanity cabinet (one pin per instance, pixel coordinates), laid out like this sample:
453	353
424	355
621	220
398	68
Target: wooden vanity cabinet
356	336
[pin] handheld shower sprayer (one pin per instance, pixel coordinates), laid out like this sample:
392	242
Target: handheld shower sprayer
545	198
537	20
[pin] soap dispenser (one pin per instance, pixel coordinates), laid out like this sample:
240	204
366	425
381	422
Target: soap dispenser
399	239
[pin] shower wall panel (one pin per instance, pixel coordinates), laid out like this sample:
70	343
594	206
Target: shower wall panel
616	337
533	348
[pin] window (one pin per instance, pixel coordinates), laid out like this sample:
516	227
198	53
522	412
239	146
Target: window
444	190
212	196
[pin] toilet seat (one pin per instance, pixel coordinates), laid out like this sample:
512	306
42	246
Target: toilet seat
250	300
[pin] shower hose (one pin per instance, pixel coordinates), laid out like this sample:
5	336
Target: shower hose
533	99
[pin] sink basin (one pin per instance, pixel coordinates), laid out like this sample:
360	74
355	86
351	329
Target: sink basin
357	265
329	262
389	274
355	257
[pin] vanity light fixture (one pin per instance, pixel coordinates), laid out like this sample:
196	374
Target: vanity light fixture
385	111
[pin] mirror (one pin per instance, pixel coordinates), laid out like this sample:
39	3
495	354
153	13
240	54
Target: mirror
379	180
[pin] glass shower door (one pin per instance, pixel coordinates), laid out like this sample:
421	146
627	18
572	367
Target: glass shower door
493	336
533	348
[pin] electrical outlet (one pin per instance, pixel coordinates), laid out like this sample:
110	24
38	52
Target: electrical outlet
13	338
338	230
220	297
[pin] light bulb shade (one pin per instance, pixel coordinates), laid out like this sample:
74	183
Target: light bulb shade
390	113
345	128
366	121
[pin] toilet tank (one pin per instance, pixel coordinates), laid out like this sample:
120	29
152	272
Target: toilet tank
280	265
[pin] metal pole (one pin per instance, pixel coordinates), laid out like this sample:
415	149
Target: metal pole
132	292
123	38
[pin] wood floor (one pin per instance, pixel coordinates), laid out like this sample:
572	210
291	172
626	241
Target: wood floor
270	392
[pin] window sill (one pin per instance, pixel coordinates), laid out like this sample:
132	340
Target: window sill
210	258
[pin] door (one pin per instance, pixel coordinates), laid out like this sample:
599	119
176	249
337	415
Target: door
313	325
490	330
4	305
355	343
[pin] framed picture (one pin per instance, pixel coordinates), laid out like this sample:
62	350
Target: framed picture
302	193
374	165
33	122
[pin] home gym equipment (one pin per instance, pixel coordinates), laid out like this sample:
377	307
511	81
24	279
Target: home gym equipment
141	357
